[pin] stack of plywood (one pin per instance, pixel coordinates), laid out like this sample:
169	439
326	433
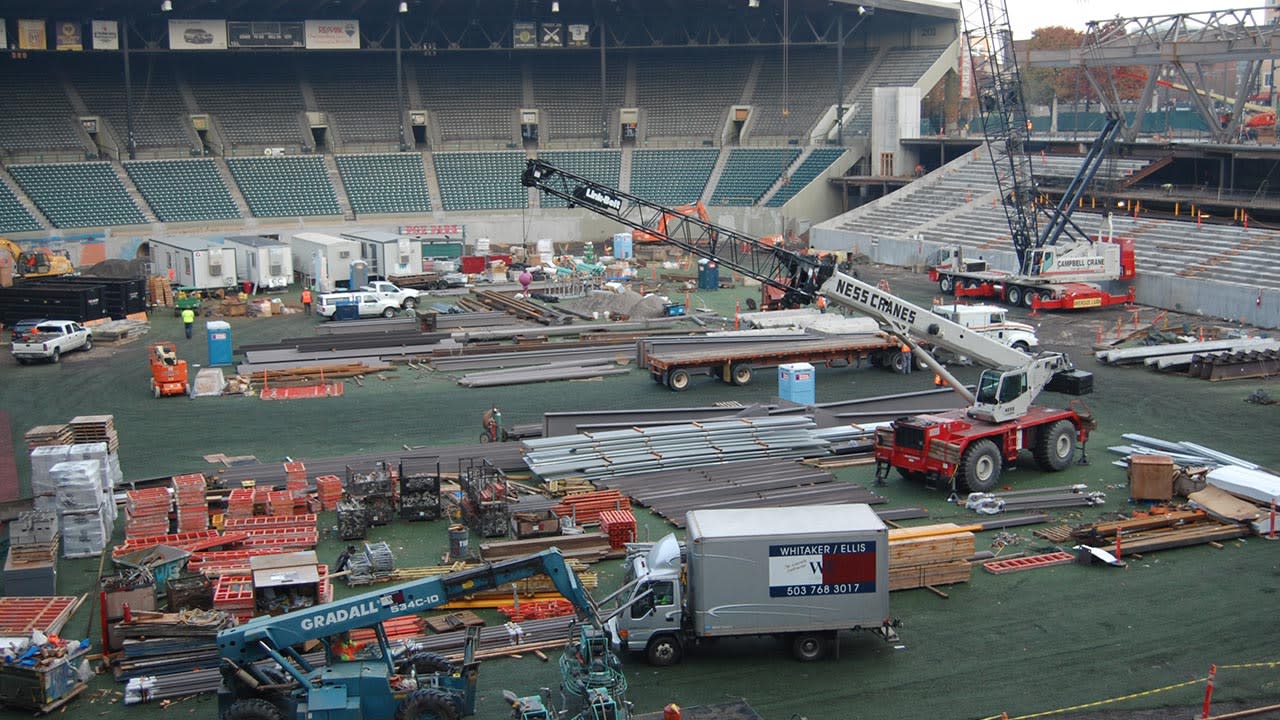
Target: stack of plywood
929	555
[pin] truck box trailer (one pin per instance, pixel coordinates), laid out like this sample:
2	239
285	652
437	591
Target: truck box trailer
799	573
194	262
388	254
326	258
264	261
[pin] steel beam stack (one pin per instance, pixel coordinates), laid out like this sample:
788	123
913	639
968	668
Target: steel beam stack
596	456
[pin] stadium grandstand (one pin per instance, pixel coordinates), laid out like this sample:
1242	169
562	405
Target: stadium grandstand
208	118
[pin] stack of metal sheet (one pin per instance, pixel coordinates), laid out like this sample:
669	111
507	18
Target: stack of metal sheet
1183	453
595	456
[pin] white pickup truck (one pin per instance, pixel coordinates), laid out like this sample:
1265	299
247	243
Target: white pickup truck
352	305
402	297
50	339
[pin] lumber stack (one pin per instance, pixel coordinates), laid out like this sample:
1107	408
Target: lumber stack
587	547
585	508
1159	532
159	291
929	555
96	428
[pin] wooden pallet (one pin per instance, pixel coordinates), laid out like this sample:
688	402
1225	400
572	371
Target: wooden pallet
1054	534
453	621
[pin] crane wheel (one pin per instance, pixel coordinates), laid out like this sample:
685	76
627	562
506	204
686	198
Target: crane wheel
428	704
252	709
981	465
1055	445
946	284
1014	295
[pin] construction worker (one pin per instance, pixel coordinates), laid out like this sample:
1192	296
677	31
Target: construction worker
188	319
306	300
822	303
345	649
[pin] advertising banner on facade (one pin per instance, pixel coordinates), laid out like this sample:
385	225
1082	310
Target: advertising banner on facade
106	35
333	35
67	35
31	35
579	35
524	34
197	34
242	34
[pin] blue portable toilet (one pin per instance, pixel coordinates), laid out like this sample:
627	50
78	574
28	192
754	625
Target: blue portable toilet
622	246
219	342
708	275
796	383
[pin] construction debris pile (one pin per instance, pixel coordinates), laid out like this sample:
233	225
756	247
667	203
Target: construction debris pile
163	644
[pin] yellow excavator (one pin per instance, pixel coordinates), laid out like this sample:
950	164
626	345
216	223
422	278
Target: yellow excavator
37	263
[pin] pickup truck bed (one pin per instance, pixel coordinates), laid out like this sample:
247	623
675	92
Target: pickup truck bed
50	339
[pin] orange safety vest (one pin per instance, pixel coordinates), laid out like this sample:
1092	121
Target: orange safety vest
306	297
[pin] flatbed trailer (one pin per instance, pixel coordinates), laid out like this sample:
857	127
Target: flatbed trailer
736	365
1020	290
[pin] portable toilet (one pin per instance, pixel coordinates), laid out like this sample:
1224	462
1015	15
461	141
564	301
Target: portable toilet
622	247
796	383
708	275
219	342
359	274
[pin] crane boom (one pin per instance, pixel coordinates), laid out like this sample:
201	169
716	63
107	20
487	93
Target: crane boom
1005	391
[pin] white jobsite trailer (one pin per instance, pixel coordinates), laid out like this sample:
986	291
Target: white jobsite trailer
194	262
266	262
388	254
325	258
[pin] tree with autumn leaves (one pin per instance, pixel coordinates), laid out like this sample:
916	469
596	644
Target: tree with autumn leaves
1069	84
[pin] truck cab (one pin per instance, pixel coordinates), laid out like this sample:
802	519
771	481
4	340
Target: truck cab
992	321
654	619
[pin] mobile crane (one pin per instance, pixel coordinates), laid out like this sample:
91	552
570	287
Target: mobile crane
415	686
966	447
1059	263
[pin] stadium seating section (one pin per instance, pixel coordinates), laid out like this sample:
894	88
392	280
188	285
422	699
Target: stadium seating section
183	190
671	177
900	67
473	98
688	94
787	104
159	113
294	186
394	183
750	173
570	103
358	96
818	161
602	166
76	195
481	181
35	114
13	217
256	103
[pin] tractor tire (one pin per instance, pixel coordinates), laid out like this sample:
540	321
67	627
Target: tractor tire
740	374
424	663
1055	446
1014	295
980	467
389	313
88	344
678	380
428	704
664	651
252	709
56	356
808	647
947	284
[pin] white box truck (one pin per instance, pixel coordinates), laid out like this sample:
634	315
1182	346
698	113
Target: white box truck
195	262
326	258
799	573
264	261
389	255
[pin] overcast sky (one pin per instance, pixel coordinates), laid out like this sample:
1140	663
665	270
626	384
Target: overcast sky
1027	15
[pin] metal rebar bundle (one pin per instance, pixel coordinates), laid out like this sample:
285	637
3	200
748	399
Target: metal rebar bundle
1064	496
624	452
154	688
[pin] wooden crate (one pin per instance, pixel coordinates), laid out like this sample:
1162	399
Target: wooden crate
1151	477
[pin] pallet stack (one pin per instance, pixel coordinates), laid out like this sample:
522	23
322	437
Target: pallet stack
31	568
159	291
146	512
929	555
620	526
585	508
329	488
192	504
96	428
43	435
